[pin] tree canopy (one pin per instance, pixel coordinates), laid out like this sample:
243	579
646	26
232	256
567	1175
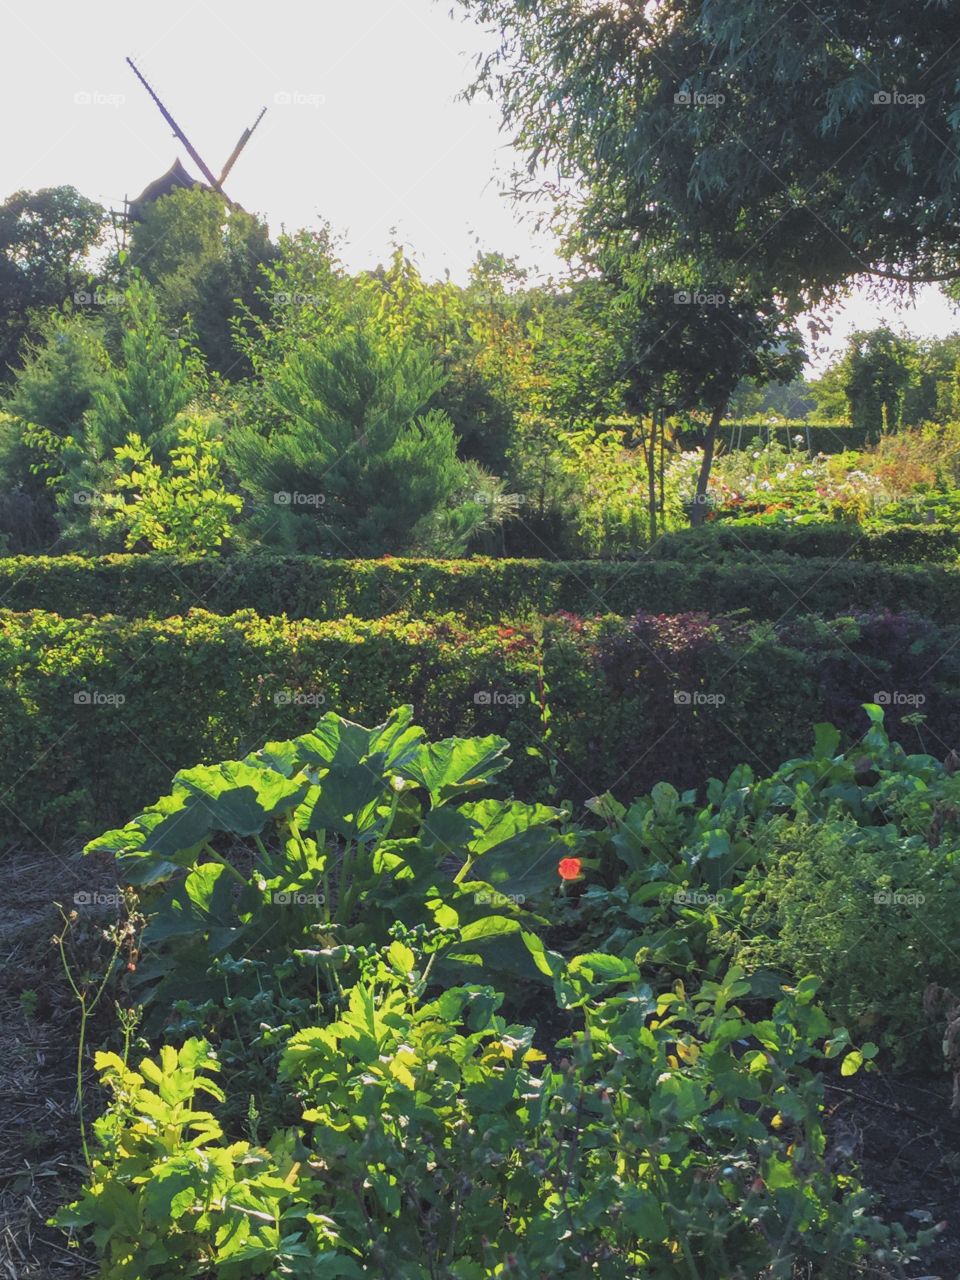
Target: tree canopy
787	146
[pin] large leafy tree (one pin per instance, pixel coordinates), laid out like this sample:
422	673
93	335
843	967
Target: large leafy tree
46	238
204	261
791	146
688	350
878	368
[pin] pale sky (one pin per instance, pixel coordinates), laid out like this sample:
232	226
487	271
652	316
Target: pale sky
362	129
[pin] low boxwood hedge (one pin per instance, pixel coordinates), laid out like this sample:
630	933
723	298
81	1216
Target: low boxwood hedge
724	571
97	713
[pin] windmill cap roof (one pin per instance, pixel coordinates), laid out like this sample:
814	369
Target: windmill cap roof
176	178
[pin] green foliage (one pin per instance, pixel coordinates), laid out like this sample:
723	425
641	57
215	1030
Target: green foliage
360	464
184	510
103	707
45	238
913	565
843	864
204	261
64	369
874	907
313	909
350	831
668	118
877	371
151	385
430	1144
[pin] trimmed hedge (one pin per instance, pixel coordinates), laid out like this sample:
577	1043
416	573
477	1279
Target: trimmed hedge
767	584
902	544
96	714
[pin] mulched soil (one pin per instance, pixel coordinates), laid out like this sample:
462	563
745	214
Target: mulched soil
40	1158
899	1130
907	1145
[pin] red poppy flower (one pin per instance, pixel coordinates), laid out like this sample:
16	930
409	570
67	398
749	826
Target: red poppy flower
569	868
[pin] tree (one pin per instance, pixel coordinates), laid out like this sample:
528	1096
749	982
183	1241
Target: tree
204	260
688	348
787	146
878	367
64	369
155	379
360	464
46	238
830	398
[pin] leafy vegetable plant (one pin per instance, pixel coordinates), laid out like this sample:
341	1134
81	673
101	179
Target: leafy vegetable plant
676	1137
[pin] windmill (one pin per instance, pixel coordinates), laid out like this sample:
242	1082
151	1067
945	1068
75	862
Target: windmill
177	176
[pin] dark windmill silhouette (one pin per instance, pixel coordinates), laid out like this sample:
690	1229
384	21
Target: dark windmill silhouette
177	177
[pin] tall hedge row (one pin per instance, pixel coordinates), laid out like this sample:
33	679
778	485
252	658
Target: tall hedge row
97	713
768	578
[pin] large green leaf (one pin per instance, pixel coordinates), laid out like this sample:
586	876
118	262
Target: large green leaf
203	901
518	846
233	797
347	803
457	765
341	746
